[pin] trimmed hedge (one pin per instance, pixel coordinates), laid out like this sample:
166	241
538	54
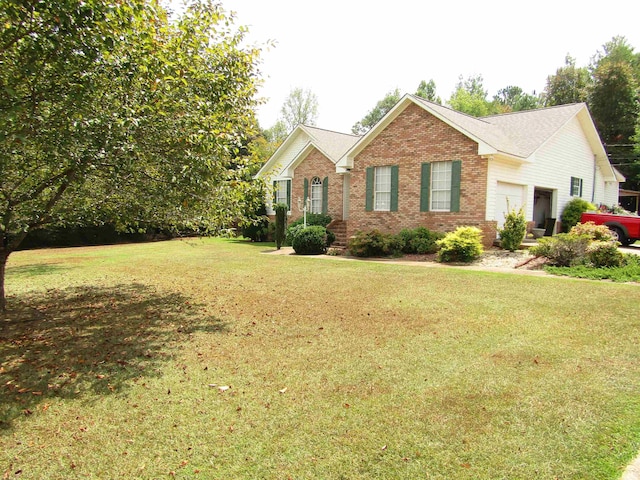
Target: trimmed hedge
311	241
374	243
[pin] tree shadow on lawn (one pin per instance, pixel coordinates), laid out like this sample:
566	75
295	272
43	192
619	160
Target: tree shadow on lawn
96	340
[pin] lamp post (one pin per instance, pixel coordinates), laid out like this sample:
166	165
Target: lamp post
303	209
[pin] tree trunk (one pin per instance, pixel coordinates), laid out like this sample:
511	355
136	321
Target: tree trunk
4	256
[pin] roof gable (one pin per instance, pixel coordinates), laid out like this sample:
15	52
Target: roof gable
516	135
299	144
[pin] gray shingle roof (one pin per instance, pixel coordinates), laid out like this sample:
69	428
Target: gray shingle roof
519	133
332	144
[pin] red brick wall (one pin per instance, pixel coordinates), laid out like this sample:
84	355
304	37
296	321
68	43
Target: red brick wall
413	138
317	165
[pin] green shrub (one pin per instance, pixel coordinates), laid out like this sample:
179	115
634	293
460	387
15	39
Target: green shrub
593	231
563	249
418	241
258	228
604	254
462	245
572	212
281	223
374	244
513	231
320	219
409	241
310	241
404	238
292	231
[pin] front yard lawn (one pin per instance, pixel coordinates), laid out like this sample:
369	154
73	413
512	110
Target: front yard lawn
207	359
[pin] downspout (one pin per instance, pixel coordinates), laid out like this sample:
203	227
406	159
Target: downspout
593	186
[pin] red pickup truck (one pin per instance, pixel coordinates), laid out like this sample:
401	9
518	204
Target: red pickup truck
626	228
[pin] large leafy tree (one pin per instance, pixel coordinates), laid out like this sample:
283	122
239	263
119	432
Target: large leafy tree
300	107
614	94
427	90
614	101
376	114
111	113
470	97
568	85
514	99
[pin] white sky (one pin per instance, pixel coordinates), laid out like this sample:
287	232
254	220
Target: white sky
350	53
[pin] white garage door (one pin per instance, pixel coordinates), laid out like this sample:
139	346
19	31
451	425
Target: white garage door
508	197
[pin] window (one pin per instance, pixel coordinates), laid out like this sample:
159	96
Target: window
441	186
576	187
382	190
282	192
316	195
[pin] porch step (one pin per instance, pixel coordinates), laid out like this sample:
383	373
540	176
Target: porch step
339	229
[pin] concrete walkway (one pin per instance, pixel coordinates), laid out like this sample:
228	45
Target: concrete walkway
633	470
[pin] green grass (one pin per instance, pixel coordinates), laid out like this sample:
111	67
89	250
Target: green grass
112	359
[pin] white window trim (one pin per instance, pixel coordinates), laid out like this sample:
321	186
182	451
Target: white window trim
316	195
432	199
575	186
376	191
281	189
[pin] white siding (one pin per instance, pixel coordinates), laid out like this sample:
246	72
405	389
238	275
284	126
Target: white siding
287	156
279	172
567	154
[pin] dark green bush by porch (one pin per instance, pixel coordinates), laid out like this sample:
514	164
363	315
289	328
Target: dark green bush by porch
311	241
374	244
419	241
313	219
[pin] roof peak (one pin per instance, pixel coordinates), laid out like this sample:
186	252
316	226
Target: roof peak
313	127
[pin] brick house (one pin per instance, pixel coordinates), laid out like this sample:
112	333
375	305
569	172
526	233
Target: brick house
427	165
